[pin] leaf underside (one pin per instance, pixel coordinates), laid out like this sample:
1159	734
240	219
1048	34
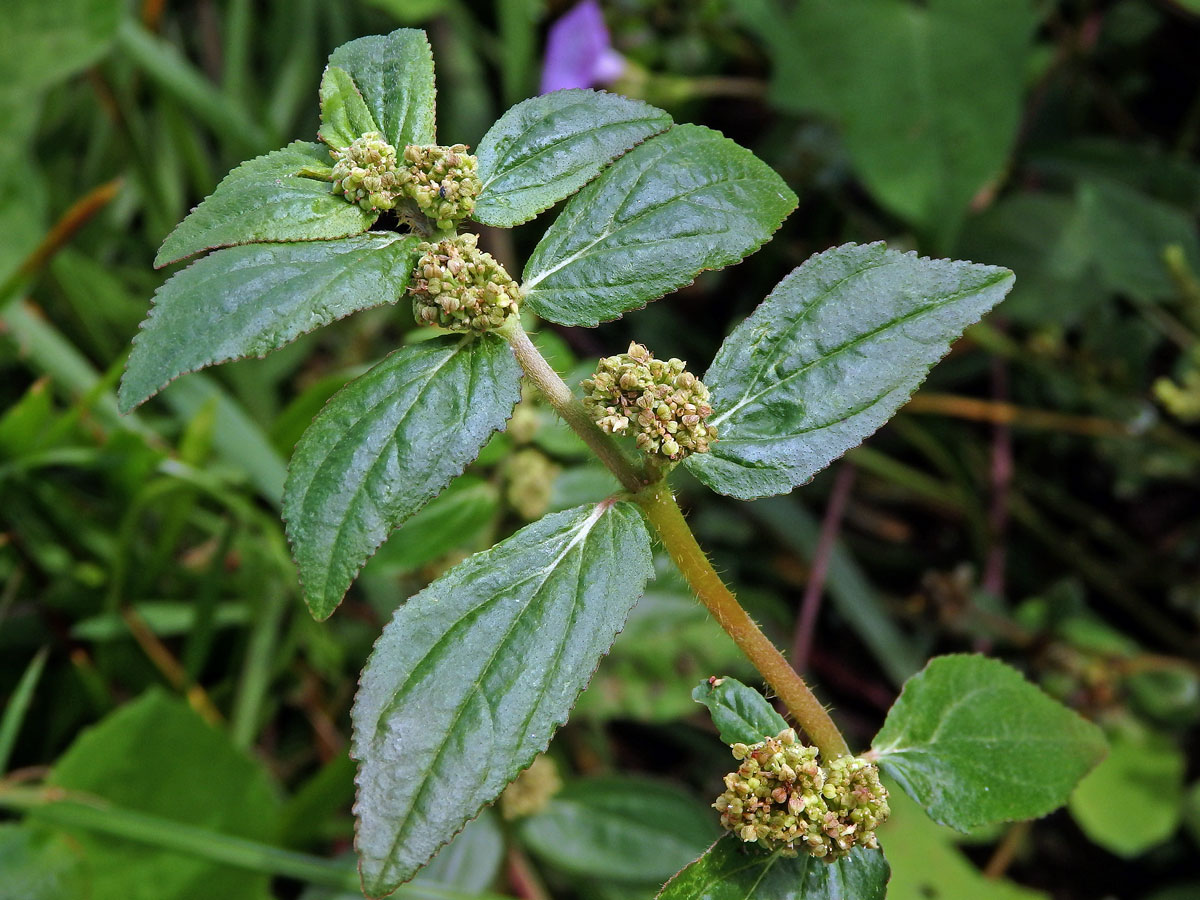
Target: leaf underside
684	202
266	199
546	148
250	300
830	356
386	444
732	870
974	743
473	675
394	75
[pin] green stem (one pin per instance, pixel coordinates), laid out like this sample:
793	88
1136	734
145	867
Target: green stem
555	390
67	809
664	514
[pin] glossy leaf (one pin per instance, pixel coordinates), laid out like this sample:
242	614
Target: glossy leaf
248	301
732	870
546	148
157	756
973	742
684	202
927	96
473	675
628	829
344	113
267	199
828	357
742	715
394	75
384	446
1141	780
451	520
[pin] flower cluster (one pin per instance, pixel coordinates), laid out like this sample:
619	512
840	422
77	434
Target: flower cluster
458	286
664	405
366	172
783	799
442	181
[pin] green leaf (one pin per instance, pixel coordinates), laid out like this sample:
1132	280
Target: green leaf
628	829
470	862
926	863
828	357
43	43
157	756
452	519
267	199
742	715
927	96
546	148
344	113
684	202
394	75
1134	799
248	301
386	444
473	675
974	743
38	864
731	870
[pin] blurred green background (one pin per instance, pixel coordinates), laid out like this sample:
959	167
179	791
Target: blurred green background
1039	499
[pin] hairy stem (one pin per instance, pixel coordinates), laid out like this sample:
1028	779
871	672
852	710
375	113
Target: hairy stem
664	514
666	517
555	390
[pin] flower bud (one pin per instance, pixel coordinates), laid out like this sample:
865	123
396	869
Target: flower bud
663	406
365	172
458	286
441	181
782	799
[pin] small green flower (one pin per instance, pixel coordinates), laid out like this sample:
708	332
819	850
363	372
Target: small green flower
458	286
442	181
663	405
783	799
366	172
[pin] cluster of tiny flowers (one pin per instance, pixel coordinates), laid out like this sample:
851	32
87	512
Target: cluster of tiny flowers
366	172
663	405
458	286
442	181
532	790
783	799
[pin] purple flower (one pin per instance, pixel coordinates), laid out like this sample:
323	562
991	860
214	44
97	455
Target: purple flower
579	52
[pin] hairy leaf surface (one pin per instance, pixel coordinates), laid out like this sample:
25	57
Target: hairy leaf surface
394	75
546	148
828	357
267	199
248	301
733	870
386	444
973	742
742	715
473	675
684	202
632	828
344	113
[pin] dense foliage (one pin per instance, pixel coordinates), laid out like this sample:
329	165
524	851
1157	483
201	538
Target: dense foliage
175	724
